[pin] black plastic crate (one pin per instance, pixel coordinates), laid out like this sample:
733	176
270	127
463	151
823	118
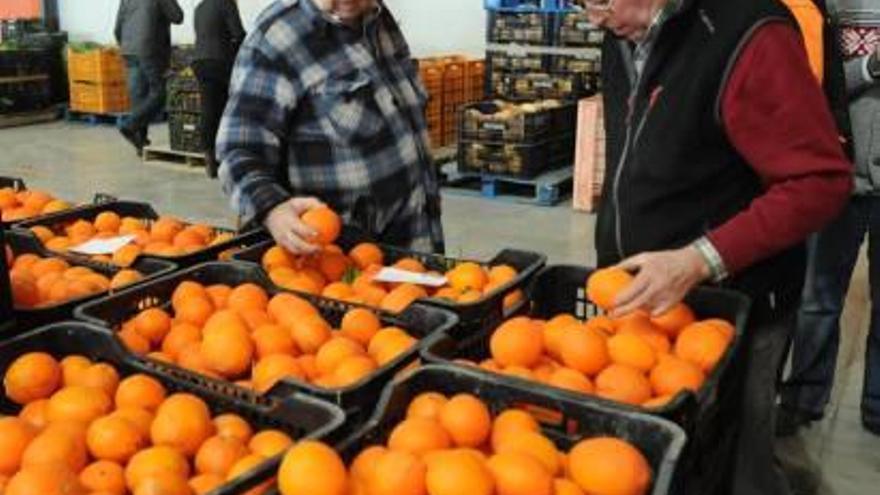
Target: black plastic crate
298	415
525	123
515	160
25	95
13	182
471	315
17	63
706	416
576	30
7	317
524	62
185	131
418	321
527	28
184	101
537	86
146	212
31	318
660	441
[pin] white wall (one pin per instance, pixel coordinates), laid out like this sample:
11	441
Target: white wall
432	26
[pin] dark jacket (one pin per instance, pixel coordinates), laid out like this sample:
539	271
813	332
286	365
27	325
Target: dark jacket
673	174
143	28
219	32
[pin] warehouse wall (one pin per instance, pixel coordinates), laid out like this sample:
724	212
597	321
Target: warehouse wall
432	26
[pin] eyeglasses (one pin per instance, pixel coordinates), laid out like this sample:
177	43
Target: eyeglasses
597	5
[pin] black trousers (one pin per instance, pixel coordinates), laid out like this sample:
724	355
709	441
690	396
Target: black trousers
213	76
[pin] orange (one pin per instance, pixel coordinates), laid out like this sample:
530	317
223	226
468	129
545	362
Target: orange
325	222
227	346
187	290
602	324
467	276
633	351
658	402
114	438
299	470
247	296
36	413
402	297
219	295
532	444
37	200
44	234
419	436
125	278
458	472
672	321
191	358
56	446
153	324
133	341
364	463
467	419
165	228
233	426
15	435
103	477
81	229
286	308
333	265
553	331
101	376
179	337
360	325
48	265
255	318
247	465
353	369
584	350
397	473
512	422
108	221
218	454
141	418
623	384
31	377
273	339
367	254
605	285
205	483
140	391
157	461
334	351
164	485
702	344
44	479
277	257
194	310
502	273
182	422
77	403
566	487
725	327
517	342
573	380
310	333
519	474
609	465
272	369
128	224
655	338
673	375
25	293
269	443
426	405
188	239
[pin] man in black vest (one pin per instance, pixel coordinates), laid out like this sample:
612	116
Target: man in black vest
723	157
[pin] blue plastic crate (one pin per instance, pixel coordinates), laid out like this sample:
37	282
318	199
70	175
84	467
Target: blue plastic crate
551	6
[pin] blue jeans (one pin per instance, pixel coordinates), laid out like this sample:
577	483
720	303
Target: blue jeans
833	255
146	88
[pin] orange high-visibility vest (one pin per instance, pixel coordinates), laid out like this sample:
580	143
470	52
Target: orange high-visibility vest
812	25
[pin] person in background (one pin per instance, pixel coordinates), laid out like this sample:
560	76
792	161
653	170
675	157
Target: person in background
219	33
143	30
325	101
807	391
723	158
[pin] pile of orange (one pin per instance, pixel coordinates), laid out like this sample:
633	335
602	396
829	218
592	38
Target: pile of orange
83	429
165	236
21	205
38	282
637	359
241	334
454	446
350	277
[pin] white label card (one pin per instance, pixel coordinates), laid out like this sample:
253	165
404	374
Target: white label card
398	276
103	246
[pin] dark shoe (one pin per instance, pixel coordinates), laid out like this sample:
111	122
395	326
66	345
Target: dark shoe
211	166
790	421
133	138
871	422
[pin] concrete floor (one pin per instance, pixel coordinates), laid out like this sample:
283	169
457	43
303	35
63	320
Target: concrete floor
75	161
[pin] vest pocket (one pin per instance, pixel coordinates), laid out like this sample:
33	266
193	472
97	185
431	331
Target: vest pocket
349	106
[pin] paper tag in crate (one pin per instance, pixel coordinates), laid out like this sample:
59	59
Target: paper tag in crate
103	246
397	276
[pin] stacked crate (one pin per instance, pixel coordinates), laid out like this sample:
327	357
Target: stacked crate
97	81
25	83
184	112
451	82
431	74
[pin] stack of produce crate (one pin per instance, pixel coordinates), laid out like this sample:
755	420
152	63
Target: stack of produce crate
451	81
97	80
184	112
24	81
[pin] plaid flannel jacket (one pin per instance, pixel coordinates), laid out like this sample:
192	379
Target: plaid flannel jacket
319	108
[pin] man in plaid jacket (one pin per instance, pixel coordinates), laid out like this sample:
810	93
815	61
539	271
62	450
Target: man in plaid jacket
325	102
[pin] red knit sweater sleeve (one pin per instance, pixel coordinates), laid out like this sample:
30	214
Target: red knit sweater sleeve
777	117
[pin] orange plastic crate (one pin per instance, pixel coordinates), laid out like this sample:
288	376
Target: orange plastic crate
93	97
104	65
475	80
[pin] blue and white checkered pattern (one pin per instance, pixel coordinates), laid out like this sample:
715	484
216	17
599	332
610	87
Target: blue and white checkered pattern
319	108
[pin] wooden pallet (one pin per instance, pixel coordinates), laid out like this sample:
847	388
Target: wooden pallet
547	189
95	118
165	154
28	118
